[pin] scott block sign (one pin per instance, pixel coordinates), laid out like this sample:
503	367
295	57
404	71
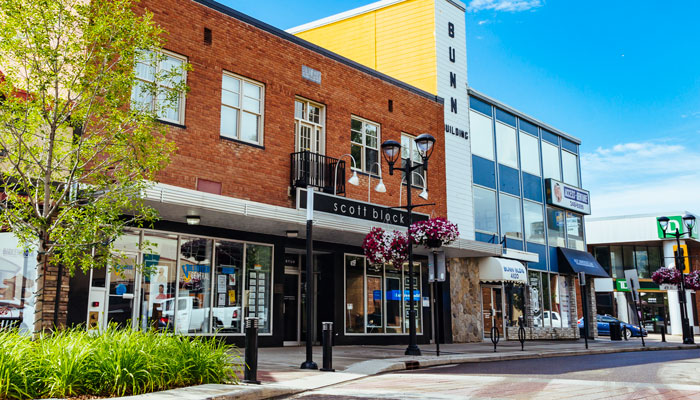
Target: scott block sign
566	196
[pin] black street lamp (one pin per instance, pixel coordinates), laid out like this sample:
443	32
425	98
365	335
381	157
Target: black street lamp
392	153
689	222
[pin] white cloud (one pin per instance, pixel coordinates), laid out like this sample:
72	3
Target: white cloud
504	5
483	22
642	177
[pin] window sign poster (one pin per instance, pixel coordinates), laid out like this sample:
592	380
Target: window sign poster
261	289
261	295
232	297
221	284
252	302
564	301
261	279
222	299
232	279
253	275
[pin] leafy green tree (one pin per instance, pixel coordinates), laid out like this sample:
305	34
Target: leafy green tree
76	151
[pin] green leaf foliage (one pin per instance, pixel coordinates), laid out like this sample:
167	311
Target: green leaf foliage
73	362
77	153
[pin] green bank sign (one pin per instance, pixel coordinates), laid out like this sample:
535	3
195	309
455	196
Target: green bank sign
675	222
621	285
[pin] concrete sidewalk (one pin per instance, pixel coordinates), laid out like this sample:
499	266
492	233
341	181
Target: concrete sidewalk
278	367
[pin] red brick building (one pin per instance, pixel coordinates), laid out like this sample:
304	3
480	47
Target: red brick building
268	115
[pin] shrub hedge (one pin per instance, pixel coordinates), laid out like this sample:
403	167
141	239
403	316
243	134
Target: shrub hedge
116	362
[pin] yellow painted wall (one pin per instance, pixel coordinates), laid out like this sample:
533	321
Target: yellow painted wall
398	40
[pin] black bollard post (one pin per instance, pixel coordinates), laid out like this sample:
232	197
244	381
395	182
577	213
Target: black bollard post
521	333
327	347
663	329
495	337
250	373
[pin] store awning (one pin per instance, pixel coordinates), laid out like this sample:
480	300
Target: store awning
575	261
496	269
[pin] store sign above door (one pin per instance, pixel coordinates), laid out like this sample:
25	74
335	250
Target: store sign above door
560	194
345	207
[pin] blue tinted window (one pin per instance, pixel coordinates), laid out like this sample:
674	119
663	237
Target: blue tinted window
528	127
532	187
509	180
505	117
484	172
569	145
486	237
480	106
550	137
514	244
542	251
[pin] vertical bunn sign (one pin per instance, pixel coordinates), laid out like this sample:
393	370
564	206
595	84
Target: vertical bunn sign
452	57
345	207
569	197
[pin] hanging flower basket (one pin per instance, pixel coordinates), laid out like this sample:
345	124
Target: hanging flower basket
692	280
381	247
664	275
433	233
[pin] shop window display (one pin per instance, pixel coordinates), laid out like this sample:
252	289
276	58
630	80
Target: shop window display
555	227
535	283
574	231
194	286
259	284
515	303
377	297
228	282
159	281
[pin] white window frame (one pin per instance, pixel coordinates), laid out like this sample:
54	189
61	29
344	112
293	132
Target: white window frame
412	151
319	128
181	108
564	153
261	115
363	145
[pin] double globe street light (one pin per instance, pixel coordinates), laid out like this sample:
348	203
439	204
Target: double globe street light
689	222
392	153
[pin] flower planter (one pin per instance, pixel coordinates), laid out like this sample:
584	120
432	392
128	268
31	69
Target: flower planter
433	243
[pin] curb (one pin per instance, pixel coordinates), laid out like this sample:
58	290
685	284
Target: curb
411	364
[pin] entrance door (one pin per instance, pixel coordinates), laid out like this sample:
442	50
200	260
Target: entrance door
492	301
121	293
291	307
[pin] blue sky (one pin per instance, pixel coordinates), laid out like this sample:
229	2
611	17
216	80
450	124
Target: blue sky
622	76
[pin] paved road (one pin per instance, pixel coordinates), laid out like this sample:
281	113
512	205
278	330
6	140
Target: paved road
637	375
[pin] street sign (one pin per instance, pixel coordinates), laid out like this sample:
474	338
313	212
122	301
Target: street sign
633	282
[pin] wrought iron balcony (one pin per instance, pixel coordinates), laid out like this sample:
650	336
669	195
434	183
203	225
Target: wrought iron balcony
317	170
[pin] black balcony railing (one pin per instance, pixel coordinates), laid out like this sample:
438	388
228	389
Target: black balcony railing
317	170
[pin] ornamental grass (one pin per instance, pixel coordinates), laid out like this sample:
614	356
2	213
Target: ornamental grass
116	362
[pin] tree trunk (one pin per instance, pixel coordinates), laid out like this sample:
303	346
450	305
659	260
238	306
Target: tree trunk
51	309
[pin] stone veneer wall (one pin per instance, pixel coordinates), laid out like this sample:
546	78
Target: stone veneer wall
466	300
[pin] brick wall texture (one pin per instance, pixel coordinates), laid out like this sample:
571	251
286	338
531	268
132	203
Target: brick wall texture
263	174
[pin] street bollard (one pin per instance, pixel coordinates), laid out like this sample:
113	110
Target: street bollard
250	373
663	330
495	337
521	333
327	347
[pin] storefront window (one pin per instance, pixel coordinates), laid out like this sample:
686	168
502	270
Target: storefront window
550	161
485	215
602	255
228	282
560	301
515	303
641	258
547	315
510	217
18	274
534	279
574	231
159	281
382	290
529	154
506	145
534	222
656	259
555	227
259	283
354	294
194	298
481	135
616	263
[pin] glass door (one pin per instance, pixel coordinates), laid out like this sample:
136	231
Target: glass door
492	309
291	307
120	308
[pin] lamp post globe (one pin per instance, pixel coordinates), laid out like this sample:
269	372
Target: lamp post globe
392	151
663	223
689	221
424	143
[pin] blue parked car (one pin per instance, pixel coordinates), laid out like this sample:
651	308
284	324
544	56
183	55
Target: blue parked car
603	321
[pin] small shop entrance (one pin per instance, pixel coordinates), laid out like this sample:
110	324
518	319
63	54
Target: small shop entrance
492	308
295	296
